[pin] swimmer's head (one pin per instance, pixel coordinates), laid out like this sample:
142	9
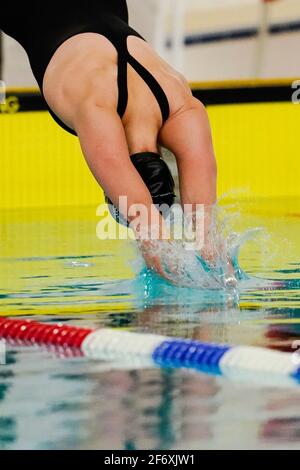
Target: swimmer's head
156	176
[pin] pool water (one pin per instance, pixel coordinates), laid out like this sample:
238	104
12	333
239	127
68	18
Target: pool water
53	268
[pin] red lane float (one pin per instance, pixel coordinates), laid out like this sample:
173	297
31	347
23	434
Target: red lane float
32	332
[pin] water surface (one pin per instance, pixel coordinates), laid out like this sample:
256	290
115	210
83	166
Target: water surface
52	267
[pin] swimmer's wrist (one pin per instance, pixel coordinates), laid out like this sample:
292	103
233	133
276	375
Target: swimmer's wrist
154	230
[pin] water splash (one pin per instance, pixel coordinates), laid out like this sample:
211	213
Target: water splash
187	268
150	289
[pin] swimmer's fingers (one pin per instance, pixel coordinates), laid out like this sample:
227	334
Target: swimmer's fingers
230	278
153	262
210	255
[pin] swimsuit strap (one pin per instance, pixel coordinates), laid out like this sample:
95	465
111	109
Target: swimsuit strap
122	80
123	60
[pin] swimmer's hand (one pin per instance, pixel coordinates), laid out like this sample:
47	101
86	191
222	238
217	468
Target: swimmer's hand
213	251
209	258
162	260
153	261
167	258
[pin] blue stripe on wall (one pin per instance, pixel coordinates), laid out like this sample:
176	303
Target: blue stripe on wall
238	34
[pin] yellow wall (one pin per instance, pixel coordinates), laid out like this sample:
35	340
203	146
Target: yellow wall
256	146
42	165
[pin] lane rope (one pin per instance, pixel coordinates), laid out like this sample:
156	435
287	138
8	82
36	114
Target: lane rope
234	362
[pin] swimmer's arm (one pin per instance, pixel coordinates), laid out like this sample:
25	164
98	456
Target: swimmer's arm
104	146
188	136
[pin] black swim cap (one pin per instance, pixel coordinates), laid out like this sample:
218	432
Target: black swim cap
156	176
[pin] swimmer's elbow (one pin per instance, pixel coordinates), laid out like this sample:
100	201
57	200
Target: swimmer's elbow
197	105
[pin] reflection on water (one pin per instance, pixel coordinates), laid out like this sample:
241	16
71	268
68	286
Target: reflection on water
52	266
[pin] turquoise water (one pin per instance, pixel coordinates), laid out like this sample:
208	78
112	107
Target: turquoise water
53	268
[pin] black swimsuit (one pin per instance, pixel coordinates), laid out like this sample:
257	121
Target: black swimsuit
41	27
